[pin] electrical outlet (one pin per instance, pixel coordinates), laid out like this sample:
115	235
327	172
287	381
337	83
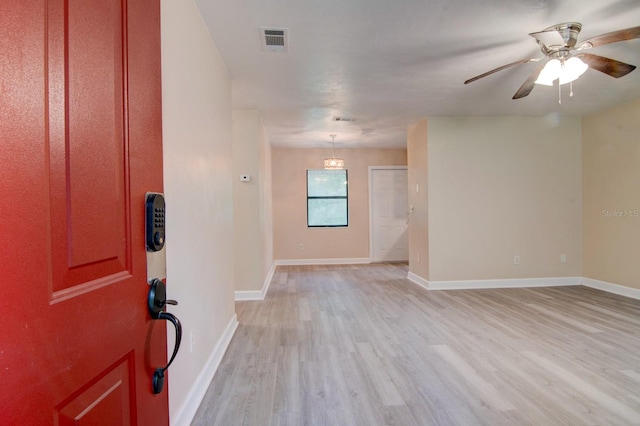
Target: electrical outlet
516	260
563	258
300	246
192	341
418	257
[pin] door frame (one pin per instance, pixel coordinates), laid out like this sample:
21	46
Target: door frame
370	180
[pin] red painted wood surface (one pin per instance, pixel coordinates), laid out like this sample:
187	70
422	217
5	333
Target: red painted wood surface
80	145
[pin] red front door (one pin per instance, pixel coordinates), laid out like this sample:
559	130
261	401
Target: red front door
80	144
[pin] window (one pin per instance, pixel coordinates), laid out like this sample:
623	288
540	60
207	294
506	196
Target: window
327	198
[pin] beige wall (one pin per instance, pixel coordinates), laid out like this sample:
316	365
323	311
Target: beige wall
289	168
196	92
499	187
611	195
418	189
266	204
251	201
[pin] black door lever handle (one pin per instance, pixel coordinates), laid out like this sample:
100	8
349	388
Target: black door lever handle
157	300
158	374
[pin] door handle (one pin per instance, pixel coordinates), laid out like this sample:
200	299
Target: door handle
157	300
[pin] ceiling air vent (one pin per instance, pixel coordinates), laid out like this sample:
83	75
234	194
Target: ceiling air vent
274	39
343	119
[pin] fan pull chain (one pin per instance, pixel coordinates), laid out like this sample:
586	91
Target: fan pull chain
571	89
559	93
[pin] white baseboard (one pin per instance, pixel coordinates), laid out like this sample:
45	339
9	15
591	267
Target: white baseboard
336	261
417	279
187	411
257	294
504	283
621	290
501	283
248	295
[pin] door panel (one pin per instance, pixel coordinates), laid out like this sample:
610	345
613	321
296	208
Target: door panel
110	395
382	240
400	237
86	99
80	144
389	215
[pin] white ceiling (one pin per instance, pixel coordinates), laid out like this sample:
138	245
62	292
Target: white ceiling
388	64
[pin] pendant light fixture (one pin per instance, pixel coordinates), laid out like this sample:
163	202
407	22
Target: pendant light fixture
333	162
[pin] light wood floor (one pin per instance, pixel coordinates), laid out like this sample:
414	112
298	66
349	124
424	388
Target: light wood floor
361	345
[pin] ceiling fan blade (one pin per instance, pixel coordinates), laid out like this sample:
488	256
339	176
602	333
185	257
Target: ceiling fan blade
522	61
529	84
608	66
612	37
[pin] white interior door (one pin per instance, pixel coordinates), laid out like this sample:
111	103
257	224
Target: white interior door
388	211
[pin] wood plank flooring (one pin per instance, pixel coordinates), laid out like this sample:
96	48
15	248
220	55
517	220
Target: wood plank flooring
361	345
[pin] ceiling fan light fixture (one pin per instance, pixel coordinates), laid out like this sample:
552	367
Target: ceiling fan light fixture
565	71
557	44
572	69
549	73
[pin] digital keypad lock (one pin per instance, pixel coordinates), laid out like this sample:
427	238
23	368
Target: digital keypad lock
155	222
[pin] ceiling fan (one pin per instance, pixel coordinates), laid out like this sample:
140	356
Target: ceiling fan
565	60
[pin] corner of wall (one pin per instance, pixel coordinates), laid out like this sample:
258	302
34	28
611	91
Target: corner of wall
610	196
252	202
244	295
418	172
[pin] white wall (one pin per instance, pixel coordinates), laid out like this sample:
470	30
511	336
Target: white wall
197	172
251	202
499	187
